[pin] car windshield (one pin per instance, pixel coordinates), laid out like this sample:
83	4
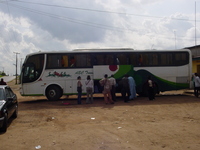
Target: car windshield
1	94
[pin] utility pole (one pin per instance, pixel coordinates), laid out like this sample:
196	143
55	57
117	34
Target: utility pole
21	64
16	66
195	27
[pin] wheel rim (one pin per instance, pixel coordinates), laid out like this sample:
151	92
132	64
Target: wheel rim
52	93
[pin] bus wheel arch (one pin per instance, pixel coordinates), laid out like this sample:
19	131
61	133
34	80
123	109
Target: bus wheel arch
53	92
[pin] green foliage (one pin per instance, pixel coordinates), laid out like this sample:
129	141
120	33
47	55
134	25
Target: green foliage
2	73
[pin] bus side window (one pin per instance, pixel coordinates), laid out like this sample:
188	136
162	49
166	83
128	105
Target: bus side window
166	59
106	60
94	60
53	61
72	61
121	59
149	59
133	59
110	59
128	60
81	60
100	59
88	60
64	61
117	60
140	60
179	58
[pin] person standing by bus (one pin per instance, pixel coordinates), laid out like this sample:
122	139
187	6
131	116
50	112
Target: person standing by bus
113	85
132	86
151	93
193	81
105	82
79	89
197	84
89	90
125	90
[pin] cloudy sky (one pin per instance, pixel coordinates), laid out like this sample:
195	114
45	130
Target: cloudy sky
28	26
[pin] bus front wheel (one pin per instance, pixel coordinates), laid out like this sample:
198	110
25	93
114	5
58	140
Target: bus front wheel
53	93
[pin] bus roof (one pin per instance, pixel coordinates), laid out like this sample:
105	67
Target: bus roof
104	49
99	50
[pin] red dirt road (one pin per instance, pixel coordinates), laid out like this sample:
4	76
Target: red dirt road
170	123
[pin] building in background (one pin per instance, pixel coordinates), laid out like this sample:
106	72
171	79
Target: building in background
195	58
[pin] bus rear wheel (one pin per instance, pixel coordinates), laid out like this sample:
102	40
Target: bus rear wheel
53	93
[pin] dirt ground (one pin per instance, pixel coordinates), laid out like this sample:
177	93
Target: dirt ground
170	122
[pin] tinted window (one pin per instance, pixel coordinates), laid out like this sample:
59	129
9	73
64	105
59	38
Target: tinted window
122	59
161	59
29	73
54	61
133	59
37	61
9	93
1	94
109	59
181	58
98	59
166	59
32	68
68	61
83	60
153	59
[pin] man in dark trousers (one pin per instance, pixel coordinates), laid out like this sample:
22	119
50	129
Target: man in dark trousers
125	88
151	85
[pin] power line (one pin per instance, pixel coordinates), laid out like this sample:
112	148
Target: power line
102	11
101	26
7	49
96	25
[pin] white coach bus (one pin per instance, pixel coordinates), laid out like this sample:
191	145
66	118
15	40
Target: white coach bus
53	74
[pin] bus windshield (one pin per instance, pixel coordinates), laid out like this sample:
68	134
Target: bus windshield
32	68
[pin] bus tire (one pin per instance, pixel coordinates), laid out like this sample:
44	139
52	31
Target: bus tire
53	93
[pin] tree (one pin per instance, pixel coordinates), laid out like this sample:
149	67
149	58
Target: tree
2	73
